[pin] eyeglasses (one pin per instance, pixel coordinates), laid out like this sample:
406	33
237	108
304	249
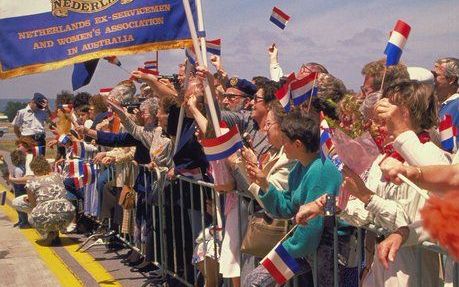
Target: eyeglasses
435	74
268	125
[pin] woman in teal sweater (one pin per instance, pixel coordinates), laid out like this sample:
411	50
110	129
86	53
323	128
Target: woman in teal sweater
309	179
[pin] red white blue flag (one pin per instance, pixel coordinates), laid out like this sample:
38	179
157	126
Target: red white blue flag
82	173
151	65
78	149
38	150
113	60
397	41
63	139
214	46
223	146
279	18
280	264
448	133
105	91
304	88
283	94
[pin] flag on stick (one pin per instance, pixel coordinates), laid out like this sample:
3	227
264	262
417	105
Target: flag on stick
283	94
82	73
396	42
38	150
280	264
448	133
214	46
279	18
223	146
304	88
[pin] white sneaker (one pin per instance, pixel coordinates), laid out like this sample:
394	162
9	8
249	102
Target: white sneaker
71	228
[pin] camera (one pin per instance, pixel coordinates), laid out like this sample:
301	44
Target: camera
131	106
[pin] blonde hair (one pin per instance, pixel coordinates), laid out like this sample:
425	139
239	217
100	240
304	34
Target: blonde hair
418	98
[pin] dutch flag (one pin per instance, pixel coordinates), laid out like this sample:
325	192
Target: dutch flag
279	18
448	133
38	150
223	146
214	47
150	70
76	172
63	139
304	88
280	264
105	91
283	94
78	150
151	65
397	41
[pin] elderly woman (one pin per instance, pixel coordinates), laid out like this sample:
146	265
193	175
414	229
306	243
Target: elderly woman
50	212
309	179
407	110
274	167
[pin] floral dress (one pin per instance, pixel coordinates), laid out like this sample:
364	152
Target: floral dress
53	211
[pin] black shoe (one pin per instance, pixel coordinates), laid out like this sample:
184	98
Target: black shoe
133	263
16	224
126	256
134	256
143	267
56	241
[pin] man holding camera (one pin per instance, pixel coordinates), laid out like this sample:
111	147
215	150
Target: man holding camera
30	121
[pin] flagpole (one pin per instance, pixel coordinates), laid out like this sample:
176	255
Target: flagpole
420	191
208	92
182	110
210	99
383	79
312	92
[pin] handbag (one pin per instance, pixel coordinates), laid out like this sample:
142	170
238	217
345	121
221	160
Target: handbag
263	233
127	196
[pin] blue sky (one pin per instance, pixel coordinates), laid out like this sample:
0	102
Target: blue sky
342	35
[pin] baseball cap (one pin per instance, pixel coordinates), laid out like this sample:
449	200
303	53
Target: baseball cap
40	100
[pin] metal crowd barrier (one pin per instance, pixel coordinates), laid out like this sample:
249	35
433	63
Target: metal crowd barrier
169	254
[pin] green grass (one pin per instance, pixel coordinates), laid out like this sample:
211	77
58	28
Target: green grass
10	145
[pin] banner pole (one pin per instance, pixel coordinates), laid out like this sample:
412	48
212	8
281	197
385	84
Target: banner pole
182	110
202	39
208	92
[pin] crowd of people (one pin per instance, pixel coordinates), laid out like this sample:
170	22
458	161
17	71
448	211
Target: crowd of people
120	154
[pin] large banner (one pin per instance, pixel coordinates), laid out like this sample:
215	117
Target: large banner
41	35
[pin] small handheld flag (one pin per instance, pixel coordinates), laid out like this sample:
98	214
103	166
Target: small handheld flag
78	149
280	264
113	60
397	41
38	150
304	88
283	94
63	139
223	146
148	71
151	65
448	133
279	18
214	47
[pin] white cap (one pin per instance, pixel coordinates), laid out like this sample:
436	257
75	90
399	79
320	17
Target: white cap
421	74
